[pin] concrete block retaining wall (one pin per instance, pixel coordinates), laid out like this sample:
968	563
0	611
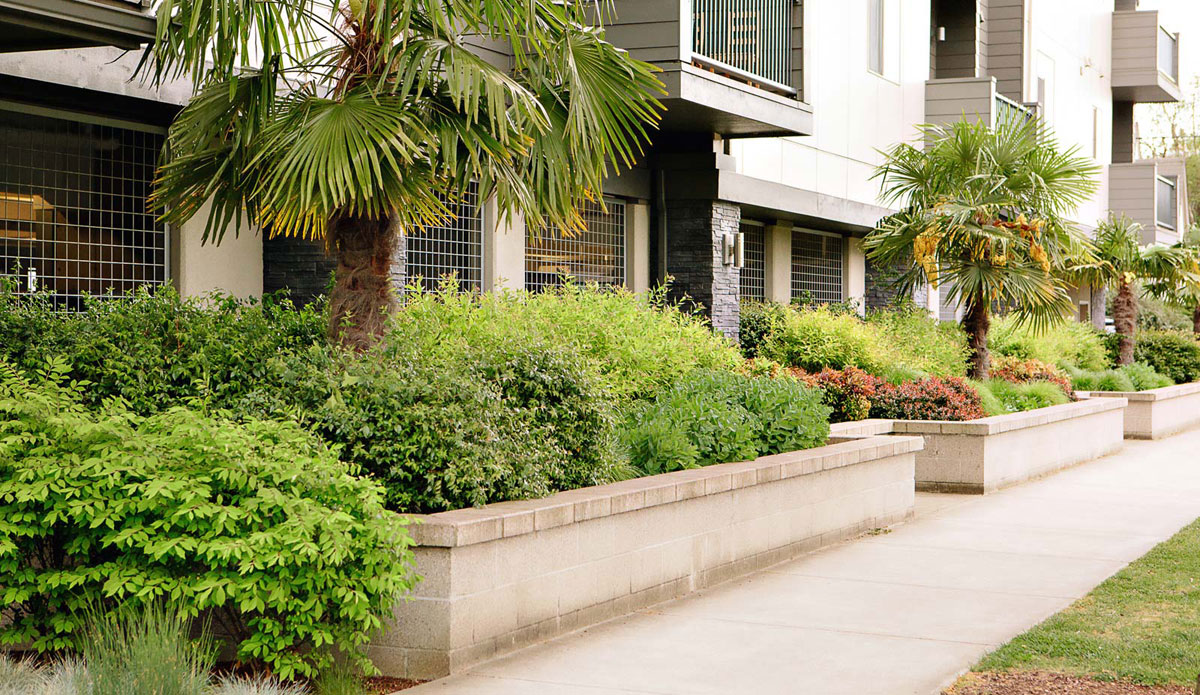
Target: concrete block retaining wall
506	575
1159	413
983	455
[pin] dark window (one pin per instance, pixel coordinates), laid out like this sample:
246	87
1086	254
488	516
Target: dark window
817	266
754	269
594	254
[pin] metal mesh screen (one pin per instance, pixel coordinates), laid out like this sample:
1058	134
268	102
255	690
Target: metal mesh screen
73	217
817	266
754	269
595	254
454	248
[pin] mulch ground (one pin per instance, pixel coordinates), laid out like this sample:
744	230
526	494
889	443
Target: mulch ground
1044	683
382	685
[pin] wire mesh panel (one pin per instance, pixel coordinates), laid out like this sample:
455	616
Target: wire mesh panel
817	266
73	215
754	268
452	249
594	254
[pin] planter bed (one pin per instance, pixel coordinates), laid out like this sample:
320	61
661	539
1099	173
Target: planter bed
506	575
984	455
1160	412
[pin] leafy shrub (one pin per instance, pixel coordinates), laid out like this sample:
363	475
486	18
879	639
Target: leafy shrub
934	398
819	338
1133	377
1004	396
1021	371
758	320
919	342
714	417
1145	378
1175	355
847	392
257	523
1063	344
638	342
156	349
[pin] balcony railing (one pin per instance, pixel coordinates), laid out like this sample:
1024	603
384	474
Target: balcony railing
750	40
1166	203
1168	54
1009	111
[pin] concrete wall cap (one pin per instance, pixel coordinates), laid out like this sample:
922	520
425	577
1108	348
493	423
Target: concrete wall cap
1162	394
462	527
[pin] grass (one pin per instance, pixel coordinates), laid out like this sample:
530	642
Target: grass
1142	625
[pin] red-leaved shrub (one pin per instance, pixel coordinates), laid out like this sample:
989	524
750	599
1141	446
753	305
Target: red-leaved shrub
848	392
1020	371
934	398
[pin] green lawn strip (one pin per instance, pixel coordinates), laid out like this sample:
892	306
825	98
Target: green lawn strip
1141	625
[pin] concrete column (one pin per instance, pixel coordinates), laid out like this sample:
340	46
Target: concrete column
779	262
933	300
695	238
234	266
1122	132
855	274
637	246
503	249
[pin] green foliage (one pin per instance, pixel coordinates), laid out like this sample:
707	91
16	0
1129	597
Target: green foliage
1133	377
155	349
757	321
951	398
819	338
234	685
1065	344
138	649
919	343
1001	396
1175	355
638	342
256	522
714	417
340	679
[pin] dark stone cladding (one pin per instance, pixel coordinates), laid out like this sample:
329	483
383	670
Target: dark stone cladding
694	259
301	266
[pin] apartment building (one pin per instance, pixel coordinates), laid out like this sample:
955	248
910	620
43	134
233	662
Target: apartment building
757	185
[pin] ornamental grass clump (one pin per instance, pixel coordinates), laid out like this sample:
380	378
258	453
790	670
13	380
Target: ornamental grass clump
256	524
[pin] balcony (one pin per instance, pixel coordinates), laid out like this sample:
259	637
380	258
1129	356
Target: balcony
38	25
973	98
1145	58
1152	192
731	67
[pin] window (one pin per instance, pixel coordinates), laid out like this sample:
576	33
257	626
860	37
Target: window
73	216
875	36
594	254
817	266
1166	203
754	268
454	248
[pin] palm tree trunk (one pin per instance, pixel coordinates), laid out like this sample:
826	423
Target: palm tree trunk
363	297
1125	320
1196	320
977	322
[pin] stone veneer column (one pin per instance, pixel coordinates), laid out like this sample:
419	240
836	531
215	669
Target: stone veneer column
695	229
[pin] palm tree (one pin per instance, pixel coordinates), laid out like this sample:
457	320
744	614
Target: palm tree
984	219
353	121
1183	288
1122	262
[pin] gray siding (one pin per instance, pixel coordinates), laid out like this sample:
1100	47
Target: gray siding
1005	46
1135	49
649	29
946	101
1131	192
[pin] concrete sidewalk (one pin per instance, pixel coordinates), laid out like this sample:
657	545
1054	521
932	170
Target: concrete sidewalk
901	612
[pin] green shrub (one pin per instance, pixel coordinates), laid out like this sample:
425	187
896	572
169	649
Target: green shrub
1145	378
146	649
1175	355
1063	344
919	343
638	342
1009	397
1133	377
258	522
758	320
155	349
819	338
714	417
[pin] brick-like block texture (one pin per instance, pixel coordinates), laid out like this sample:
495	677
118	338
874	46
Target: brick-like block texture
1161	412
881	289
694	258
511	574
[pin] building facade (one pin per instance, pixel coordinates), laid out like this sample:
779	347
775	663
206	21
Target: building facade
758	184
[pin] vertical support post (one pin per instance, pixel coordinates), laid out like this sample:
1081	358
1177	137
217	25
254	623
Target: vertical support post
503	249
855	274
778	262
637	246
